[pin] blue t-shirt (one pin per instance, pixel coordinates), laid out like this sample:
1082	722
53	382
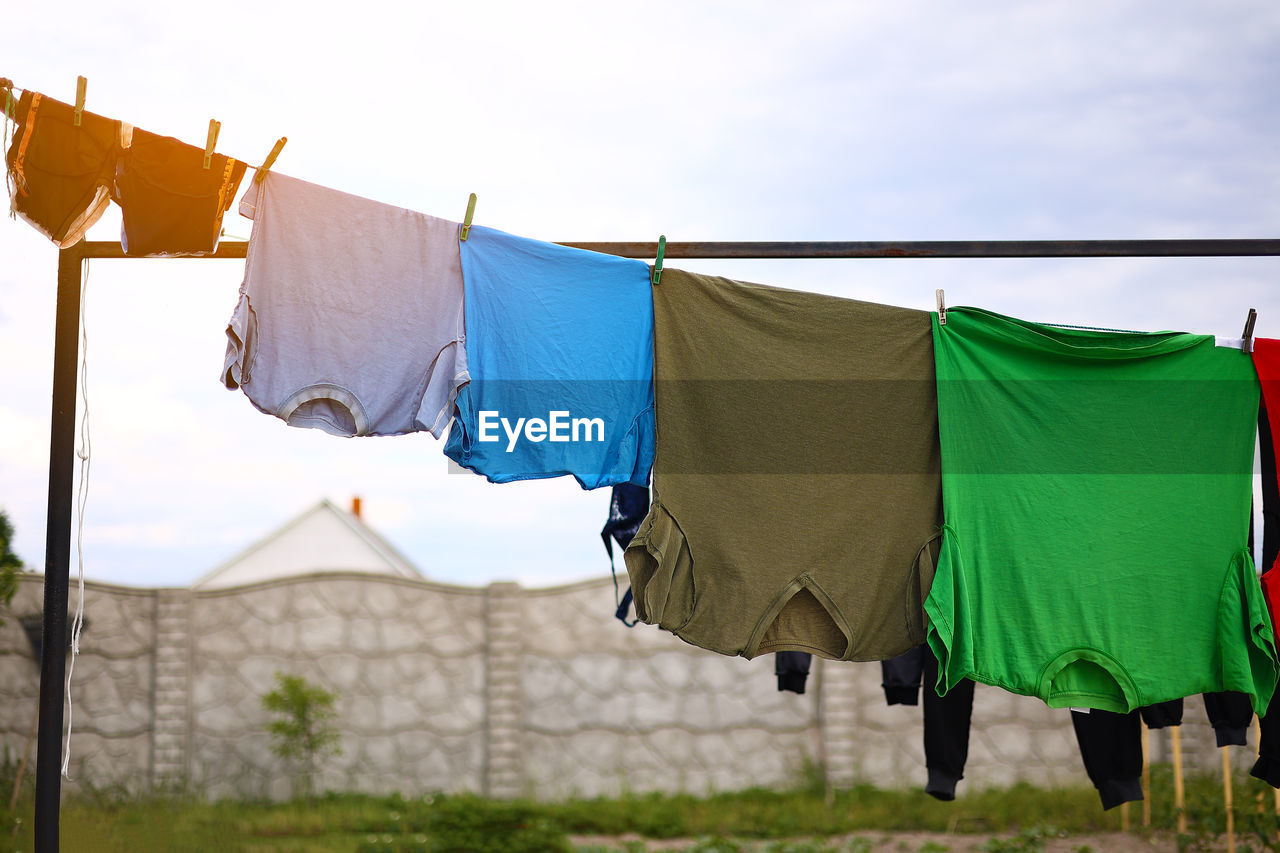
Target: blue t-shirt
560	349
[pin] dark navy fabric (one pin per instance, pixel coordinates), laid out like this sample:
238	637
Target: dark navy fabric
1111	746
1162	714
946	718
1230	713
792	669
900	677
628	506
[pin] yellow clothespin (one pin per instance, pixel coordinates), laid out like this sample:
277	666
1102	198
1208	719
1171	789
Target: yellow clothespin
82	84
466	221
9	108
942	307
271	158
215	127
657	263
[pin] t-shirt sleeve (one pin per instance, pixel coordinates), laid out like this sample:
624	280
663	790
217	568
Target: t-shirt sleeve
1246	638
945	609
249	201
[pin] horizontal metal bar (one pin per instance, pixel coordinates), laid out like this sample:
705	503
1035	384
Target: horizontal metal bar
111	249
946	249
865	249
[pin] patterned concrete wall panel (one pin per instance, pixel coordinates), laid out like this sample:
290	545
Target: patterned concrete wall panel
107	762
112	697
19	704
389	740
27	601
411	763
609	709
888	740
560	621
19	669
609	763
323	614
837	687
119	620
240	766
405	658
1004	726
702	691
111	683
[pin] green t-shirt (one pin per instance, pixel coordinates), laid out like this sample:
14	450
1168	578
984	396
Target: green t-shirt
1096	490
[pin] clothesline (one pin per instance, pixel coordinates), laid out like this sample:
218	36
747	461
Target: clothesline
777	249
10	100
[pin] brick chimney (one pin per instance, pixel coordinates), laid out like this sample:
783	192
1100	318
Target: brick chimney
355	506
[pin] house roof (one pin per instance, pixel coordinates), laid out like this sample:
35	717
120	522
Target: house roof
322	538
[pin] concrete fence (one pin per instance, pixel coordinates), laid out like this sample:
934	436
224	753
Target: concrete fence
500	690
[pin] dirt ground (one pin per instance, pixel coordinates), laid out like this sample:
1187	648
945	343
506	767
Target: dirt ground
937	842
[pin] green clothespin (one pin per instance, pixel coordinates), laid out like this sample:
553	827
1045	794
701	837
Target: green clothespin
466	221
657	264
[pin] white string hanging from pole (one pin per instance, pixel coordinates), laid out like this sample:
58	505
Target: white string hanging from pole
10	183
82	498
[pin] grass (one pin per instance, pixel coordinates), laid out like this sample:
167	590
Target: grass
353	823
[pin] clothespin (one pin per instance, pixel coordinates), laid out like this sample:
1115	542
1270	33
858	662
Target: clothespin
1248	329
942	307
271	158
466	220
7	85
81	85
215	127
657	263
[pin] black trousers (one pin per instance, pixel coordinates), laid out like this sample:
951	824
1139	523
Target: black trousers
946	718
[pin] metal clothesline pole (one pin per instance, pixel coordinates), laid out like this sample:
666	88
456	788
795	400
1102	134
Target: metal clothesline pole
62	453
773	249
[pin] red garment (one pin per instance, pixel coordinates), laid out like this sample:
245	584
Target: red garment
1266	360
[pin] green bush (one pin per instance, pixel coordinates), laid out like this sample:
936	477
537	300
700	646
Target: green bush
471	824
303	731
10	565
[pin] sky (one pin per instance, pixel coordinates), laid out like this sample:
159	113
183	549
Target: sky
577	121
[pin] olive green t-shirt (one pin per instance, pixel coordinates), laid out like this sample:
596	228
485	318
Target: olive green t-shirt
796	476
1097	489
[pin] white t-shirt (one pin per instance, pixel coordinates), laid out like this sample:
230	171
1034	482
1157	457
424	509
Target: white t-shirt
350	315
